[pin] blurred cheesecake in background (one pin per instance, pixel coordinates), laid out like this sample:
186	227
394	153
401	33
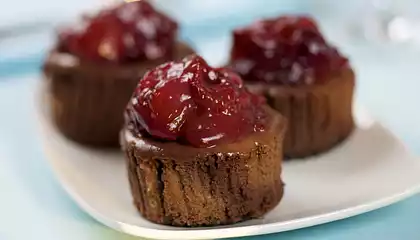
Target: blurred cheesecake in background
95	65
303	76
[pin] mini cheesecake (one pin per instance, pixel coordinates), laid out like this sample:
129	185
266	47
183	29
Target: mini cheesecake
288	61
95	66
209	156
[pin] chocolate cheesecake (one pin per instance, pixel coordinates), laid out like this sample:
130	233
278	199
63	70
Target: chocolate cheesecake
287	60
212	156
93	70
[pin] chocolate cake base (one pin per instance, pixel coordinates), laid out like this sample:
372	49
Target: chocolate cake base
179	185
319	116
88	99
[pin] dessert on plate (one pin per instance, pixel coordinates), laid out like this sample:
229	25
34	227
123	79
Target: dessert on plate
95	65
201	149
287	60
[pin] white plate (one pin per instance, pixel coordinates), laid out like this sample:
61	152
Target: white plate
372	169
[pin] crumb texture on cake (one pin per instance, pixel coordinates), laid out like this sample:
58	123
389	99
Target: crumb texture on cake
217	188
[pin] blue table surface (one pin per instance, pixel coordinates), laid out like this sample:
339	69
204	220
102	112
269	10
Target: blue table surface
34	206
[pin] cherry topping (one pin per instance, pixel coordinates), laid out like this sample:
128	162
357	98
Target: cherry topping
191	102
286	50
128	32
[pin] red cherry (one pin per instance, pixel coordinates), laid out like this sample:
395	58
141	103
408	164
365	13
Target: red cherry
163	102
286	50
128	32
103	39
193	102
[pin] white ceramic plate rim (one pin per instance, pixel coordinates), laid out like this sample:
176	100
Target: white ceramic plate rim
192	233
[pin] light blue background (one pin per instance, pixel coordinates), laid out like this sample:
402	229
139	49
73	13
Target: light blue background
33	205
